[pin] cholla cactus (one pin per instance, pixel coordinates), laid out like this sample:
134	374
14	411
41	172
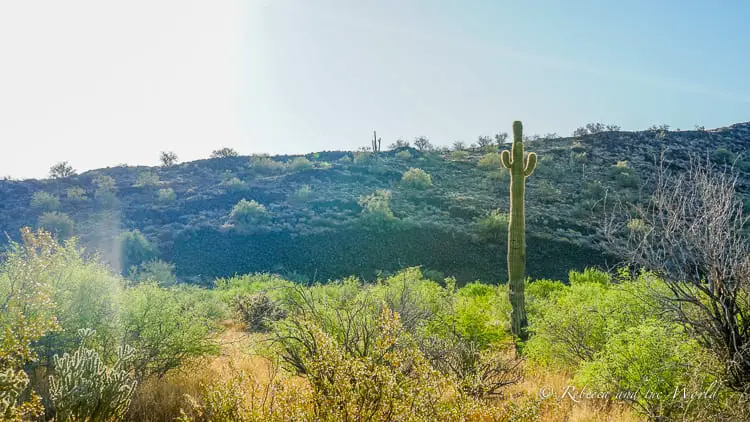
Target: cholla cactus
514	161
84	388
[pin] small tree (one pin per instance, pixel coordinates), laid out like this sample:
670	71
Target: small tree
61	170
167	158
501	138
484	142
422	143
224	153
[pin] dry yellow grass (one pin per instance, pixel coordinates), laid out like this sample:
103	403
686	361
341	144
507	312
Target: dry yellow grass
161	399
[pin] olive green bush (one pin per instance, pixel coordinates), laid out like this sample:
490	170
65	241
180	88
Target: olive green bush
44	201
416	178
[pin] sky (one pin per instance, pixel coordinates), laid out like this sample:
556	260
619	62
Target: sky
100	83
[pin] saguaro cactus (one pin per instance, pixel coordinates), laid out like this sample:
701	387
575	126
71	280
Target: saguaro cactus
514	161
375	142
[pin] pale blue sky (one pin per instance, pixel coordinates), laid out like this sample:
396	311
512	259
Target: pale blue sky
98	85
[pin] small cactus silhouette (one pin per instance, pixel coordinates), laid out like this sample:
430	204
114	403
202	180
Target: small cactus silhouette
514	161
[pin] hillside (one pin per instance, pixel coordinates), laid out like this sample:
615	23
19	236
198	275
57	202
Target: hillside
313	226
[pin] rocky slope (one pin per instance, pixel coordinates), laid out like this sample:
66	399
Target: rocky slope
314	228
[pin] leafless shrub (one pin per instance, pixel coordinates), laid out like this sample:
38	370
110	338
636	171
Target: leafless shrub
691	233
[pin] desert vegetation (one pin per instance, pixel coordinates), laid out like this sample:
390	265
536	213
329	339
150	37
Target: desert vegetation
91	334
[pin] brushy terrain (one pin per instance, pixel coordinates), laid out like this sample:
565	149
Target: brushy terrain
330	215
82	343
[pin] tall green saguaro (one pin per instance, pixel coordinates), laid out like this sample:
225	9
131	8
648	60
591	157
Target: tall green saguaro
519	170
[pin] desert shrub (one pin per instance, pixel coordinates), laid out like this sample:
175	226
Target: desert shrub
300	164
270	285
376	207
575	323
44	201
61	170
234	184
394	382
590	275
362	157
156	270
166	327
86	296
546	191
57	223
146	179
224	153
624	175
723	156
167	158
659	363
246	215
490	161
27	315
459	155
106	190
135	248
166	196
76	193
416	179
257	311
266	165
494	226
83	388
403	155
302	193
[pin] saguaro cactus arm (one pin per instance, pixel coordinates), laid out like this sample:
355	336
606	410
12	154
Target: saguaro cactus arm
530	164
505	158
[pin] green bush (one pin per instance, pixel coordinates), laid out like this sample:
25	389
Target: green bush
416	179
624	175
135	248
300	164
459	155
494	226
76	193
246	215
658	363
723	156
376	207
490	161
302	193
157	271
57	223
166	196
266	165
44	201
403	155
166	327
234	184
147	179
28	314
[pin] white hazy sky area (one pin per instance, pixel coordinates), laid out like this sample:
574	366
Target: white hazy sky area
100	83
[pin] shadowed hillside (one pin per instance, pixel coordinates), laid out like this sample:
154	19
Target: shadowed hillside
334	214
